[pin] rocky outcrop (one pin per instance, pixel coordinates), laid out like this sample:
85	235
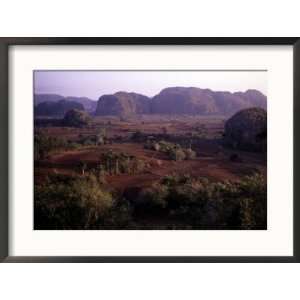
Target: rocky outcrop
56	108
247	130
123	104
172	100
40	98
88	104
180	100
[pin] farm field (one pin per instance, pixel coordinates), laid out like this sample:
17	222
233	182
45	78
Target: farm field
140	160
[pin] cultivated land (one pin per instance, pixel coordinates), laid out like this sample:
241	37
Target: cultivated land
130	136
213	159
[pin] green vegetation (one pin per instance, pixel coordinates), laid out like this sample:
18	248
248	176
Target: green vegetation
204	204
83	202
174	151
121	163
126	187
43	145
77	203
76	118
71	203
101	137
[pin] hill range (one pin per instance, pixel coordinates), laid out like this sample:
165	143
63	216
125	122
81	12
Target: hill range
170	101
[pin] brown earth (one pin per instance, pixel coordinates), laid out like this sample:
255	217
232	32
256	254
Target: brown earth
212	159
216	167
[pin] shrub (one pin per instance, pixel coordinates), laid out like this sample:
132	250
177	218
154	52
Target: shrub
76	118
79	203
116	163
177	154
152	198
44	144
174	151
253	190
189	154
215	205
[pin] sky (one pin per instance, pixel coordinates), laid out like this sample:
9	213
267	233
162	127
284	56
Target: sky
93	84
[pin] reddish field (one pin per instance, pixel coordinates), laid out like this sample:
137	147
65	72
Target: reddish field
128	140
212	160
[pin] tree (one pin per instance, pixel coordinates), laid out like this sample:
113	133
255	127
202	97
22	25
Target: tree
101	137
76	203
189	154
177	154
76	118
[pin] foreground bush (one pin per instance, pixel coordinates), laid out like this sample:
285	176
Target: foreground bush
212	205
183	202
71	203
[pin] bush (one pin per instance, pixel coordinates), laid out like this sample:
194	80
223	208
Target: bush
121	163
214	205
71	203
76	118
177	154
44	144
152	198
174	151
189	154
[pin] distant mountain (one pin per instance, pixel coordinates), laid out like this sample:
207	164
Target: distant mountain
89	104
39	98
123	104
56	108
180	100
171	100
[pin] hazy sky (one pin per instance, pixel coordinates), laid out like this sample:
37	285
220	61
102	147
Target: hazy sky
94	84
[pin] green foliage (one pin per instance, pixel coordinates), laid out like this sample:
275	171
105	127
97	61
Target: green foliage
173	151
76	118
71	203
152	198
214	205
253	201
82	202
101	137
166	147
189	154
121	163
177	154
44	144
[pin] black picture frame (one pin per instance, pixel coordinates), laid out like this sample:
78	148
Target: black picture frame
5	43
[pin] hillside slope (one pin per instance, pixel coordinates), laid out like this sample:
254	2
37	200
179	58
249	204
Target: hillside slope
180	100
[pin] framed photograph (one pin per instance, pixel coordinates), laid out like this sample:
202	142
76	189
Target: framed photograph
149	149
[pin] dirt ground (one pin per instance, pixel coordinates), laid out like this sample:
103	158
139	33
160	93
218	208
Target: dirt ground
212	159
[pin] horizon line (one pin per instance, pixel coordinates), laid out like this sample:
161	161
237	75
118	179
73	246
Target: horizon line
132	92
